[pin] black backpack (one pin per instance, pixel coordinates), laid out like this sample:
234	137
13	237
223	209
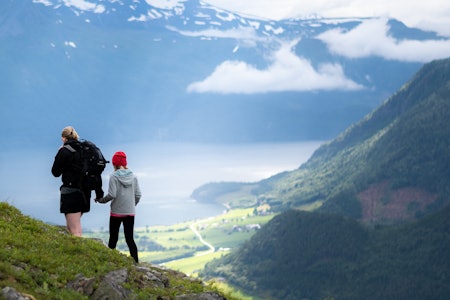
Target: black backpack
90	164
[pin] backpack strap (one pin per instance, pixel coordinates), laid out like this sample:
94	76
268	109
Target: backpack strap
70	148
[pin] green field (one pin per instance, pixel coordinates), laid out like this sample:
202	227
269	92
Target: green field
178	246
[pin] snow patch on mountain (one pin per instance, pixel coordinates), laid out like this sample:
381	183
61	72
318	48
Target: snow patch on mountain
167	4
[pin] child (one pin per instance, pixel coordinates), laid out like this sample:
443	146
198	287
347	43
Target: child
124	192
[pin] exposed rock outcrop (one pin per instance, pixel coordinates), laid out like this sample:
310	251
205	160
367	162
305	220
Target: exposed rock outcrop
111	286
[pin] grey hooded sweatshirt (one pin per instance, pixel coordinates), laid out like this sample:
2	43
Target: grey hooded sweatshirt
123	191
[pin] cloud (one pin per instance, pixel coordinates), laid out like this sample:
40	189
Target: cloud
371	38
287	72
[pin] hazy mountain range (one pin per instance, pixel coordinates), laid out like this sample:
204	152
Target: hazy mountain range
188	71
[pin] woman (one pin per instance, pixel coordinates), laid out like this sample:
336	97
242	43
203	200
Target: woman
73	202
124	192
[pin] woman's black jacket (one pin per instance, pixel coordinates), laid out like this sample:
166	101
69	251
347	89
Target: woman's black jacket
64	165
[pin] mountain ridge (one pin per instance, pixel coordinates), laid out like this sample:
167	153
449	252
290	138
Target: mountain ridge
378	208
380	156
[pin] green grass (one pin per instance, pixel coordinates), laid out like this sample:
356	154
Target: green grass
178	241
229	290
193	264
40	259
173	238
179	248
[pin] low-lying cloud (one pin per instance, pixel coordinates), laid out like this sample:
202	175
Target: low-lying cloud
286	72
372	38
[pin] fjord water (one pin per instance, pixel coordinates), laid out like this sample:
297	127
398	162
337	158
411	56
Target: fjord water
167	172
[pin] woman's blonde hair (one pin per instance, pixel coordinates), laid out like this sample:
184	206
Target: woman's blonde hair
70	133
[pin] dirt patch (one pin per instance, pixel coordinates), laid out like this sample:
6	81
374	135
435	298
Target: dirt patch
381	205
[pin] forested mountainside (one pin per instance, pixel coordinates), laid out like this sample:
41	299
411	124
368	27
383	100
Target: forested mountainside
311	255
390	167
388	171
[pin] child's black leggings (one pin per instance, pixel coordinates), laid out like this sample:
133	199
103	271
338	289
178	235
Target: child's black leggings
128	229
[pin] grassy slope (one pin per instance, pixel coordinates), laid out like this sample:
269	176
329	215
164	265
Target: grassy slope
40	259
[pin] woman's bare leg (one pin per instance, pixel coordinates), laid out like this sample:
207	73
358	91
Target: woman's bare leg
73	221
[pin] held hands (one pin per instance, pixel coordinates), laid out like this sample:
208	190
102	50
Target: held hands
99	195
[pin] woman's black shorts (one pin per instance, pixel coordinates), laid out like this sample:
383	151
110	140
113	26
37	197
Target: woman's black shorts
74	202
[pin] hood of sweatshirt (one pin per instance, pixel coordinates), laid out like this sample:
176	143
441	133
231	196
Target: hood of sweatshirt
124	176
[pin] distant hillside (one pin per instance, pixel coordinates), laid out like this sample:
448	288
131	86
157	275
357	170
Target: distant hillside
304	255
390	167
40	261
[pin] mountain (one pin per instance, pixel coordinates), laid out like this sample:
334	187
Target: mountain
390	167
40	261
310	255
150	63
379	193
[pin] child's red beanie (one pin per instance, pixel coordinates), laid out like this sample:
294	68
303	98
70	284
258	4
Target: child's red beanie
119	159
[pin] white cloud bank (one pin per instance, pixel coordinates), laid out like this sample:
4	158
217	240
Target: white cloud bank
287	72
371	38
